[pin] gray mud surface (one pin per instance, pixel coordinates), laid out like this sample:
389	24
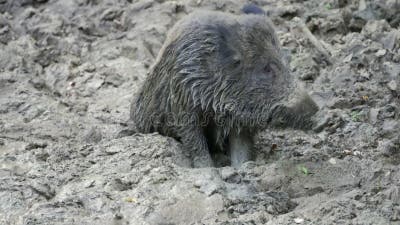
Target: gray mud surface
68	70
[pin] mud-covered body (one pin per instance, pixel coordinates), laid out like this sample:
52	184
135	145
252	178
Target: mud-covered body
217	76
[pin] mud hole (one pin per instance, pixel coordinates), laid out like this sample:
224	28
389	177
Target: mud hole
68	70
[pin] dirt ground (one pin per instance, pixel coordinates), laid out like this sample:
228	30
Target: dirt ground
69	69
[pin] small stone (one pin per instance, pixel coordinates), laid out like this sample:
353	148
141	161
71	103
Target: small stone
89	183
111	14
386	147
43	189
90	68
390	126
230	175
389	41
362	5
93	135
332	161
347	152
210	189
396	215
392	85
298	220
393	193
114	79
375	28
113	150
35	145
373	115
380	53
118	216
357	153
131	200
95	83
365	73
348	58
270	209
197	183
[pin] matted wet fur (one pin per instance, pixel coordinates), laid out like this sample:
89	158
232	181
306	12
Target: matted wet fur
219	79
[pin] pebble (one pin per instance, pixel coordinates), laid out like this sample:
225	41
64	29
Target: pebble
113	150
373	115
298	220
386	147
347	152
380	53
392	85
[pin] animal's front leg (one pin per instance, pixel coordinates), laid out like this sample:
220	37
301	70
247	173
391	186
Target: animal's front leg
240	146
194	141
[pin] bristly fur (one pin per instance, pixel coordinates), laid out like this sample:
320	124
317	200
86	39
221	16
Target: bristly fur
209	77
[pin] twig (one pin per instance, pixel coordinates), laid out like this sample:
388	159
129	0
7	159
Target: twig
314	41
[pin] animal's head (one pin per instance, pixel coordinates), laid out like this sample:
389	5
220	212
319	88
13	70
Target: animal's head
254	76
231	65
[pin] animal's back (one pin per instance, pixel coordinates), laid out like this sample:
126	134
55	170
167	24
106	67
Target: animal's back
157	102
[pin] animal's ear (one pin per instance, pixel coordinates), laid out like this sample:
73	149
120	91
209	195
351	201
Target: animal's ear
228	41
253	9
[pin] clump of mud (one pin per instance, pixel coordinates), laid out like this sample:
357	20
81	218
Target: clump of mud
68	70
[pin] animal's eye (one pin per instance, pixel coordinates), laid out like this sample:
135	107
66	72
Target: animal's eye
270	70
236	61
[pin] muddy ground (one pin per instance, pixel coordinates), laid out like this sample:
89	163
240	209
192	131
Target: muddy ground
68	70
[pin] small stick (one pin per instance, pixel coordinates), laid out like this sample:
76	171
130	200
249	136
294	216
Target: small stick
314	41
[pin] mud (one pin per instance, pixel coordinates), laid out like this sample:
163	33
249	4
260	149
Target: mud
68	70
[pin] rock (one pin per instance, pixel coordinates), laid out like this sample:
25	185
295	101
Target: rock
93	135
111	14
380	53
387	147
289	12
43	189
142	5
94	84
391	70
388	111
114	79
375	29
396	214
392	85
373	115
391	39
361	16
113	150
35	145
230	175
332	24
393	193
327	121
306	67
389	127
298	220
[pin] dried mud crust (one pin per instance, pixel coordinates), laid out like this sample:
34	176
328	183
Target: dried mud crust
68	70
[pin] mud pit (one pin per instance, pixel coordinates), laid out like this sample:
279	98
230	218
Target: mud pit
68	70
